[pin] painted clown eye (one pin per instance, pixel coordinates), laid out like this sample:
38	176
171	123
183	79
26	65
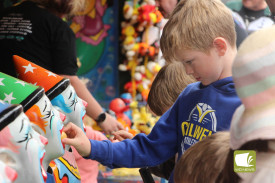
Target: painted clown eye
25	128
73	102
28	139
48	114
24	139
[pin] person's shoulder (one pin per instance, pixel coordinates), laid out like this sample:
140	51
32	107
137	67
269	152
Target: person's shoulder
54	23
192	86
225	85
51	18
39	15
189	89
42	14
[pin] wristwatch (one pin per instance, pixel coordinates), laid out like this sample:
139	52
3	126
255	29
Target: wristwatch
101	117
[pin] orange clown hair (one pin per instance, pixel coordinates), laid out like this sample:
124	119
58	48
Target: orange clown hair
35	117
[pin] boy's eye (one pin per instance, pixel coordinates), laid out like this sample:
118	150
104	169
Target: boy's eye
188	62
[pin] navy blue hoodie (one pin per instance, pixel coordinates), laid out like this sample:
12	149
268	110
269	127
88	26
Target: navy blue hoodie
198	112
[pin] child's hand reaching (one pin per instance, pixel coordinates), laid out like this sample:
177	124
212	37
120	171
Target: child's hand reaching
122	135
78	139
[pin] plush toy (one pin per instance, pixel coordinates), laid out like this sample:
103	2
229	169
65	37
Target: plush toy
127	99
152	69
127	11
138	46
129	43
130	12
143	120
119	107
146	16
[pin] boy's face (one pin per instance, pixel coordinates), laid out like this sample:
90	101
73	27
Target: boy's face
254	4
166	7
204	67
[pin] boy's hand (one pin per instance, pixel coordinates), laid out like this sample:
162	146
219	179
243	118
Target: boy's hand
77	138
122	135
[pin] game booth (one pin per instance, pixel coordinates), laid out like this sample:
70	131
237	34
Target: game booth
117	46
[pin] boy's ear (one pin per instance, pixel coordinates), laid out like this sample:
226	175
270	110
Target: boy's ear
220	45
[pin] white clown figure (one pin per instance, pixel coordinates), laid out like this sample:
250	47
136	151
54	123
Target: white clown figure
64	98
44	117
21	148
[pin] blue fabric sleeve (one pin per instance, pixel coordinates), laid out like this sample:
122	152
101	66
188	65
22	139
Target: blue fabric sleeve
142	150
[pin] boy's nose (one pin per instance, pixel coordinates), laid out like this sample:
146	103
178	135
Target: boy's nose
189	70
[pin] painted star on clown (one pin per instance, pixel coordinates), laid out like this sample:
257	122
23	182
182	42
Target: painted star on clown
21	82
9	97
1	83
51	74
29	68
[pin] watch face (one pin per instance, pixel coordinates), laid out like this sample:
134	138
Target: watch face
101	118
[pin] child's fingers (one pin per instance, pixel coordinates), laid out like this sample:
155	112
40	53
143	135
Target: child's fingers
71	130
68	141
123	134
68	127
128	136
120	132
118	137
120	127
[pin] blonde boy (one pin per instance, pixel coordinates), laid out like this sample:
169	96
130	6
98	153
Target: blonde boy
201	35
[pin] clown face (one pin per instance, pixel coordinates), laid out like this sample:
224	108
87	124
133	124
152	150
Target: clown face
27	147
48	122
71	105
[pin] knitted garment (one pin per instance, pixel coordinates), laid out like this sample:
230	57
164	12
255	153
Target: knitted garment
254	77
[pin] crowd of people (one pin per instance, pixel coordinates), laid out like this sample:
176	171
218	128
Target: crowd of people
214	95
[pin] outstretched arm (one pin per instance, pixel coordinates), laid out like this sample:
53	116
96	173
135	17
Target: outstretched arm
77	138
94	109
141	151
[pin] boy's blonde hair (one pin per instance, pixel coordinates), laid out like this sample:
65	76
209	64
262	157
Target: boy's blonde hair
66	7
204	160
194	24
166	87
